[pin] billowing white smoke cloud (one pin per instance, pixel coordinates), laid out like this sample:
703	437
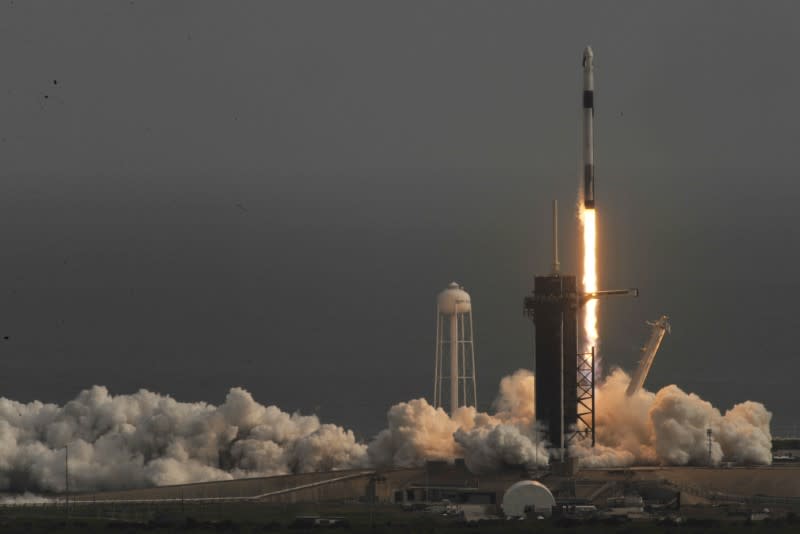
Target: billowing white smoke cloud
145	439
149	439
664	428
669	428
417	431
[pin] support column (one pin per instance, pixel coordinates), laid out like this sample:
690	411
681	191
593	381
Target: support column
453	362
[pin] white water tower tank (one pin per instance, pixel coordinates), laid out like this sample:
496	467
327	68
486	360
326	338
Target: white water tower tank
454	364
528	496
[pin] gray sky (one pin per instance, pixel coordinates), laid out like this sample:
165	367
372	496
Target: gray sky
199	195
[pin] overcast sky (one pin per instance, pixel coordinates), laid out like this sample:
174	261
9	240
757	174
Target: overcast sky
199	195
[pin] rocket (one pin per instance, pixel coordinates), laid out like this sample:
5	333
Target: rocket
588	136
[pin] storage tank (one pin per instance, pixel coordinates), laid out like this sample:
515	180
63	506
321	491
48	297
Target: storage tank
454	361
528	496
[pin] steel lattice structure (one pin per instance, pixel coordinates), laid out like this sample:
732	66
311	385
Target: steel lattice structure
586	418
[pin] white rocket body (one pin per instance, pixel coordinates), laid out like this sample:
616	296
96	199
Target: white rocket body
588	126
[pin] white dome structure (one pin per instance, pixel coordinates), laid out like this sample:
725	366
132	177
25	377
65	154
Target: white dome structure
528	496
454	366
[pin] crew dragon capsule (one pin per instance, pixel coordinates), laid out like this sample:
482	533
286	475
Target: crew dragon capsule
588	136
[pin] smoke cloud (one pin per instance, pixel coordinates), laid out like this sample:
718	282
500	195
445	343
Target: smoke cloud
417	431
148	439
670	428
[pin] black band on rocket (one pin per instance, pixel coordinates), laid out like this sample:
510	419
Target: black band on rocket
588	100
588	184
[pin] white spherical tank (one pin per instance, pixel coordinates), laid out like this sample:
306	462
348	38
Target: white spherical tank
454	300
528	496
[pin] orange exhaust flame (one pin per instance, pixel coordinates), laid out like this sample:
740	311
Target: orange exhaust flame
590	336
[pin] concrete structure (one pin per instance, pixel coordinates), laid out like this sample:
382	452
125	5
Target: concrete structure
304	487
454	360
764	486
528	496
436	481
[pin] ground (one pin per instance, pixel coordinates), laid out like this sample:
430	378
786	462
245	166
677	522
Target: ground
247	518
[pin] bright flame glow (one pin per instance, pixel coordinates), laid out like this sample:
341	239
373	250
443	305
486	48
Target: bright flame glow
590	336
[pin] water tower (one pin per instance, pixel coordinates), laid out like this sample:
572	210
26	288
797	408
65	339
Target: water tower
454	369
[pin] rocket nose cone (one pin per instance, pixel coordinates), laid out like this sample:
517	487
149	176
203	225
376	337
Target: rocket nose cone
588	57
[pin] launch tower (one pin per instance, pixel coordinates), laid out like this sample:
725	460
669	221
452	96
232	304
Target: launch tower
564	377
554	309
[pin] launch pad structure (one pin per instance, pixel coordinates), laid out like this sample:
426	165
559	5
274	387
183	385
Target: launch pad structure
565	378
554	309
658	329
